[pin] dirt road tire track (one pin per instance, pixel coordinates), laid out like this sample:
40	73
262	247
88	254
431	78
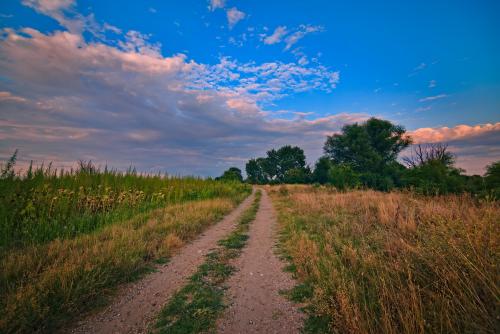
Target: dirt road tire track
137	304
256	305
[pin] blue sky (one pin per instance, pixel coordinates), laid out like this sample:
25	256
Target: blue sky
197	86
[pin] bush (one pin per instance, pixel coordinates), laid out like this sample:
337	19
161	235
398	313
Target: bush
343	177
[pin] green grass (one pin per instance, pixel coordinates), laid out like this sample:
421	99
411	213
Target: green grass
44	204
68	238
196	307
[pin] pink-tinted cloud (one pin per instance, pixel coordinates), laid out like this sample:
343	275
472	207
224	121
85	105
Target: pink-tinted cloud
446	134
234	16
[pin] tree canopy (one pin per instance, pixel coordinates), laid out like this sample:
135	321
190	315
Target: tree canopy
370	149
285	165
232	174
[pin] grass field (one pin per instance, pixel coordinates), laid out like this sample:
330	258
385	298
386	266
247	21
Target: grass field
68	240
372	262
45	204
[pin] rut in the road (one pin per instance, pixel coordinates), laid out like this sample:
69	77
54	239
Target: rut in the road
256	305
137	304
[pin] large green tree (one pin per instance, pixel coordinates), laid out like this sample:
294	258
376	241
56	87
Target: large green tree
321	170
286	164
280	162
370	149
255	171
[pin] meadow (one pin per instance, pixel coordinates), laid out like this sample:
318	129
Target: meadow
374	262
68	238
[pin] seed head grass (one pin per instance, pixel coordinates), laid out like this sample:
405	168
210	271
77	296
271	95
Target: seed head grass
372	262
69	238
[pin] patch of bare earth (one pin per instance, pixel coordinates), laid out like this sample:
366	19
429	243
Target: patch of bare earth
256	306
137	304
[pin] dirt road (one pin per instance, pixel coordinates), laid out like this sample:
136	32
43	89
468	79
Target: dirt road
255	303
137	304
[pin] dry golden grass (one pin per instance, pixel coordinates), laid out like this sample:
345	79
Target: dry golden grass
43	285
394	262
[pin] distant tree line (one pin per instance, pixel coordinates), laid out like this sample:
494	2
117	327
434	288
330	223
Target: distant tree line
366	156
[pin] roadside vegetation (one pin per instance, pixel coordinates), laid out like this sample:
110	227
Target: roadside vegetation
196	307
69	237
399	262
42	203
376	155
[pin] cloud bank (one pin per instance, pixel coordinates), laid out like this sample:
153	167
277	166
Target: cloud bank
71	99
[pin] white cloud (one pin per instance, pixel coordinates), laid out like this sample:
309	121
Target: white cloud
433	98
420	67
432	83
137	42
64	13
421	109
301	33
214	4
276	36
303	60
234	16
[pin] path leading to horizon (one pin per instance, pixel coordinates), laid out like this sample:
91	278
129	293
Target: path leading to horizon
256	305
253	295
136	305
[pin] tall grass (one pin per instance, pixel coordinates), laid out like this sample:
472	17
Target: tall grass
393	262
68	238
44	203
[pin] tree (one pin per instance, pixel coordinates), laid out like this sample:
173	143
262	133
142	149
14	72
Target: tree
321	169
432	171
232	174
298	175
369	149
422	154
492	176
343	177
255	171
492	179
282	165
279	162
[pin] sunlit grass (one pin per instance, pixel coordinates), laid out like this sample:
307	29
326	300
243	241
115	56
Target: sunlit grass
392	262
67	239
46	284
44	204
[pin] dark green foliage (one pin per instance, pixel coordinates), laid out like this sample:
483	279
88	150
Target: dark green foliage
297	175
285	165
7	171
321	170
492	175
300	293
343	177
434	178
492	179
370	149
255	171
232	174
